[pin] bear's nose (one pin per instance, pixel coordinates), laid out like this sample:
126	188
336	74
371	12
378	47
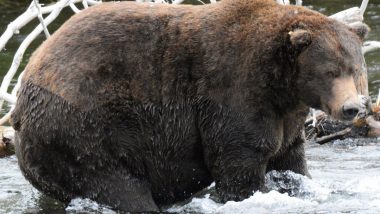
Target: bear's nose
350	111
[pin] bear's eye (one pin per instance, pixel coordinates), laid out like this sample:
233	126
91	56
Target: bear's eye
332	74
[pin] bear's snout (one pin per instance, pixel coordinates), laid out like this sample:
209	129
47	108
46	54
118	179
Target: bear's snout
350	110
344	103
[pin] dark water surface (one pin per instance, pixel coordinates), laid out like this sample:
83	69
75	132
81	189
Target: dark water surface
346	174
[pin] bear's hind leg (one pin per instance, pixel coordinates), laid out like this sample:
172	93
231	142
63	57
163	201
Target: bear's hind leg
126	193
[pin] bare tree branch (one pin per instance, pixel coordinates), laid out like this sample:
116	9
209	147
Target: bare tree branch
41	18
370	46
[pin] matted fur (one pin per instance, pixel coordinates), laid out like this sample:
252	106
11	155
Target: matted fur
141	105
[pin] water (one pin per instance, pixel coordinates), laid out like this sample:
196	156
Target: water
346	177
346	174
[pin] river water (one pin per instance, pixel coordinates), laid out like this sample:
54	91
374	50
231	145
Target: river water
346	174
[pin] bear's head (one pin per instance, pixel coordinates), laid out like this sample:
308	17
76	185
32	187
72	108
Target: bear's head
331	68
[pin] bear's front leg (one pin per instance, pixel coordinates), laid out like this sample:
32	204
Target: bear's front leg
239	173
293	158
237	152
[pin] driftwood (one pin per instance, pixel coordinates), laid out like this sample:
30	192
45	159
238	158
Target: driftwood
334	136
321	128
327	129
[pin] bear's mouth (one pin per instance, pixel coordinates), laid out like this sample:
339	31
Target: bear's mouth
328	110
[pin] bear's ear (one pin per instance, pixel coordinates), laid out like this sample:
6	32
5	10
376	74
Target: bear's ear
360	29
300	38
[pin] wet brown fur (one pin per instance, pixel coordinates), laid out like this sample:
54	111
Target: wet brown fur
152	103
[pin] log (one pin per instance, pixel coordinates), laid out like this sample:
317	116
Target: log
334	136
326	129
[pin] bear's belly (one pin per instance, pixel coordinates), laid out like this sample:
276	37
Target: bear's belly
171	149
65	152
184	179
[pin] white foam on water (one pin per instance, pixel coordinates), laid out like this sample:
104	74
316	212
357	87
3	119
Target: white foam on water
346	178
265	203
201	205
364	185
310	193
85	205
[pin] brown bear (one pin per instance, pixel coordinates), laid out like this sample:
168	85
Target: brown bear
137	106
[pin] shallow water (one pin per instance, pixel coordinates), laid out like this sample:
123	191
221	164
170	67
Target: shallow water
346	174
346	179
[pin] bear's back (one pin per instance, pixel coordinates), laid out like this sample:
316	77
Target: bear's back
110	51
156	52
